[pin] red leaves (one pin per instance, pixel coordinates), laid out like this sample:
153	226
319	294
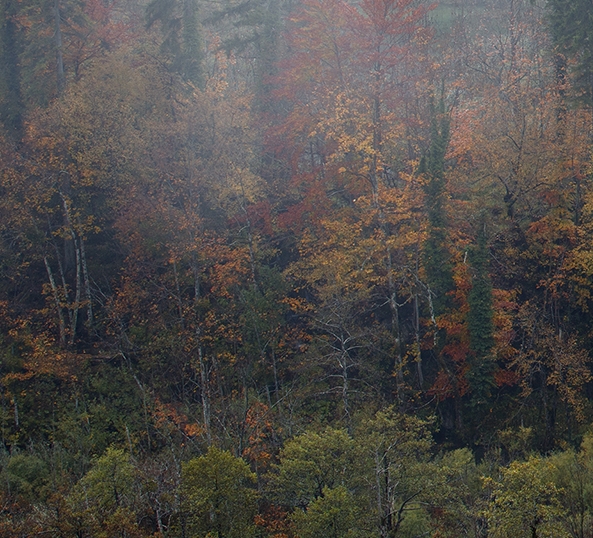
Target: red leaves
346	84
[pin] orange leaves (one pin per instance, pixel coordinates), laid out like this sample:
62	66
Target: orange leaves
276	522
345	81
230	267
550	358
260	430
40	357
168	418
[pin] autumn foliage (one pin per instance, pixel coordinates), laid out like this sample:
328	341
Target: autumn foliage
237	238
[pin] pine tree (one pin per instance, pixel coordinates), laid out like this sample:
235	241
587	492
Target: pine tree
257	26
480	324
181	36
437	258
571	28
11	102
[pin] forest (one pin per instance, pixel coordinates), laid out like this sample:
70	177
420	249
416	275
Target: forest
296	268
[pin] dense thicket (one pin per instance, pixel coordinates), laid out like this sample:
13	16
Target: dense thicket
295	268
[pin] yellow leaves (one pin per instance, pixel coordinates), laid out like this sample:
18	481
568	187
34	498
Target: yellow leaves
297	304
357	253
42	358
558	359
505	307
525	501
237	187
579	272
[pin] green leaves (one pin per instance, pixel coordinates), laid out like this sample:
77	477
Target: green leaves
335	514
311	462
218	496
526	502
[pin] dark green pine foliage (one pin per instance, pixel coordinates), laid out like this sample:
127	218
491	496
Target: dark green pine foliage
11	102
182	42
52	30
480	325
256	26
437	258
571	28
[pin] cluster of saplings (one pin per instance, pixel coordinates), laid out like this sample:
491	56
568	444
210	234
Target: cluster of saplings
386	478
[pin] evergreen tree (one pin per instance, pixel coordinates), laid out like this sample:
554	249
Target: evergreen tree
11	103
571	29
480	324
257	26
181	36
437	259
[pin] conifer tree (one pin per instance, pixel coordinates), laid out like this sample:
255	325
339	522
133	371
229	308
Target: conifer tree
480	324
181	35
11	103
571	29
437	259
256	27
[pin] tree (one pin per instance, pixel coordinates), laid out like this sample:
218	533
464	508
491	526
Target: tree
104	500
63	37
310	463
437	258
574	472
11	101
218	498
348	81
334	514
181	36
457	501
351	92
570	25
552	369
481	329
526	502
400	478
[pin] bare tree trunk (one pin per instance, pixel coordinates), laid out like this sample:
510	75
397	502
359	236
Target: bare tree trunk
87	285
76	306
395	327
345	401
56	294
77	252
205	392
418	346
64	285
204	377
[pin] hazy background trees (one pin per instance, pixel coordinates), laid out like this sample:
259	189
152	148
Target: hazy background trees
337	252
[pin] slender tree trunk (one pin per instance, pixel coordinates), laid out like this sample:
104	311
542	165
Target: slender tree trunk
204	387
345	401
202	364
417	323
87	284
395	326
78	260
64	285
76	307
54	288
418	346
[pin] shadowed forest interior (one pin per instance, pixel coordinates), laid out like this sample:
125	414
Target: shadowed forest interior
296	268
